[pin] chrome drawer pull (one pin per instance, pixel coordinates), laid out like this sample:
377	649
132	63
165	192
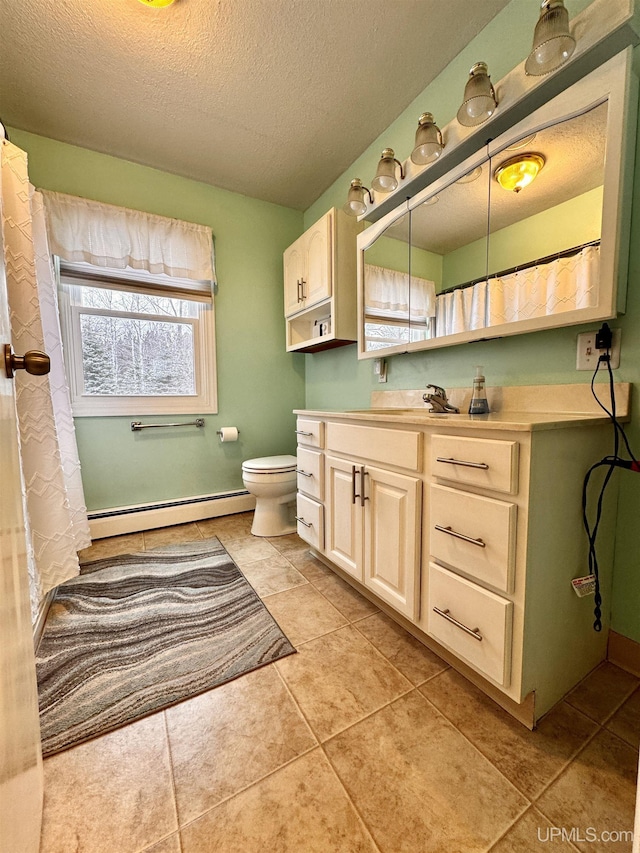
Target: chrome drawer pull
452	532
304	473
302	432
475	632
452	461
354	494
302	521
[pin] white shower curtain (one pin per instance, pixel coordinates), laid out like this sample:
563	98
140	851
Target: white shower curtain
54	501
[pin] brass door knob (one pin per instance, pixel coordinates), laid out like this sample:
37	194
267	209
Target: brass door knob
34	362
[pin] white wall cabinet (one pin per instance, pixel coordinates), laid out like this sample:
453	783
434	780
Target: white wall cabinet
482	571
320	284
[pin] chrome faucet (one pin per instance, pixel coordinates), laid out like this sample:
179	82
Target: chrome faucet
438	400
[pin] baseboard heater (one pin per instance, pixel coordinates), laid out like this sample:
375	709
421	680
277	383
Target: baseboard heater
131	519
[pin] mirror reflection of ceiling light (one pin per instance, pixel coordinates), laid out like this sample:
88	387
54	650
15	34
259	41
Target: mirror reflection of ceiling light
157	3
473	175
521	143
553	44
433	200
518	172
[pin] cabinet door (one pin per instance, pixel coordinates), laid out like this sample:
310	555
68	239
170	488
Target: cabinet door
343	516
317	276
293	260
391	538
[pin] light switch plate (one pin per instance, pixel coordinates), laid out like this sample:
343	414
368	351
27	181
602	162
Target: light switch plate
588	355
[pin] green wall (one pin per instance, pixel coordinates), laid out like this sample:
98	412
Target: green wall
337	379
258	382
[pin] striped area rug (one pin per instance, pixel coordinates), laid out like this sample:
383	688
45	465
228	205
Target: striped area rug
135	633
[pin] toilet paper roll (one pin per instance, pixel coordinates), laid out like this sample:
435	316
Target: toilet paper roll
228	434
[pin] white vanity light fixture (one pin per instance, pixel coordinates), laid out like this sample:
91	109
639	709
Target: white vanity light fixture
385	180
518	172
553	44
429	142
355	204
479	101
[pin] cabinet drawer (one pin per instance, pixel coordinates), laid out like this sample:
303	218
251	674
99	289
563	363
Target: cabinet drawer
479	462
474	534
310	518
481	632
310	470
310	432
390	446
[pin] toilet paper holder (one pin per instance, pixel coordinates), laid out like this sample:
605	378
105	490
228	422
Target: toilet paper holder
234	433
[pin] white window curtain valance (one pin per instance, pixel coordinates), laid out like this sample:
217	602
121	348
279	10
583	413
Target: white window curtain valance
118	238
390	294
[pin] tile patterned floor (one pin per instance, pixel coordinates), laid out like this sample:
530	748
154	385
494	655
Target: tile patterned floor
363	742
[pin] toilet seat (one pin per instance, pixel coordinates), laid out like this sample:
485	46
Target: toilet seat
270	465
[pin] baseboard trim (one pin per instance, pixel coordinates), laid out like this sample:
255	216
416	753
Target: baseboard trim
624	652
41	618
132	519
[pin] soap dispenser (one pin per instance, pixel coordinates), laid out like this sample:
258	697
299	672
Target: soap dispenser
479	405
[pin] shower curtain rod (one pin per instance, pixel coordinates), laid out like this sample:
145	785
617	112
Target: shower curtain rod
566	253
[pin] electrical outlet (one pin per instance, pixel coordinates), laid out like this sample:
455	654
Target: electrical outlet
588	355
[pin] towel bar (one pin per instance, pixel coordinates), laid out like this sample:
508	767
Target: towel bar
138	425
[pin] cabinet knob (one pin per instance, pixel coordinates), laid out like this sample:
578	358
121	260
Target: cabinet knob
34	362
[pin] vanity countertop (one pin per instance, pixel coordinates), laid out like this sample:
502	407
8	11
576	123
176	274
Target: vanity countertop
518	408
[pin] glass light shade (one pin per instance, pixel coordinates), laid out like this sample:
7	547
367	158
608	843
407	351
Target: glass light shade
518	172
429	142
473	175
355	204
553	44
385	180
157	3
479	101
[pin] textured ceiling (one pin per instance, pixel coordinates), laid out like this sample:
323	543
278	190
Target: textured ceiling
270	98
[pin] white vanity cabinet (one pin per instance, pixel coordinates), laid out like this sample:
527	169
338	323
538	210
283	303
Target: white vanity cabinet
469	533
320	284
310	481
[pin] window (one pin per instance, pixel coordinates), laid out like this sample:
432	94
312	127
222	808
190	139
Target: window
136	343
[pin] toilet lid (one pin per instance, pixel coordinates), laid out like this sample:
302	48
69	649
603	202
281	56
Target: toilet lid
275	464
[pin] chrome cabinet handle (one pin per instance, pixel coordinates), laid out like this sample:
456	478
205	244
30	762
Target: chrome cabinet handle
302	284
362	495
304	473
452	461
302	432
474	632
302	521
479	542
300	291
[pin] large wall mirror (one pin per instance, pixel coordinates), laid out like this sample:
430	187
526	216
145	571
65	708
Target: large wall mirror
470	257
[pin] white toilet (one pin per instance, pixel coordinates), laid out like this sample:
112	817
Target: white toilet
272	481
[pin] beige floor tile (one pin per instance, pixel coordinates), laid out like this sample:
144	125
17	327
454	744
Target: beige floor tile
309	566
303	613
626	722
343	596
229	737
602	691
340	678
291	543
171	535
300	809
249	550
533	832
113	793
597	790
419	785
169	845
414	660
530	760
275	574
101	548
227	527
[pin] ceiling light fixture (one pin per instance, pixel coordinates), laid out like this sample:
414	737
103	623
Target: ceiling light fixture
157	3
355	204
429	142
553	44
479	101
518	172
385	180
